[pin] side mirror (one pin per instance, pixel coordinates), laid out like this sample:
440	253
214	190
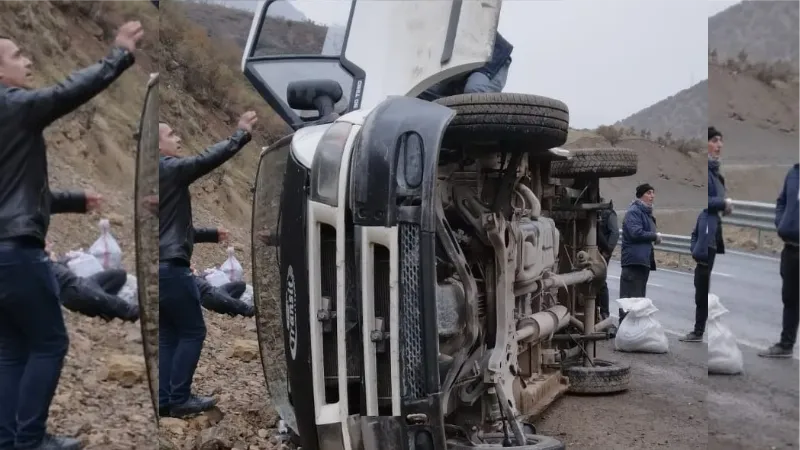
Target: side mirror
318	95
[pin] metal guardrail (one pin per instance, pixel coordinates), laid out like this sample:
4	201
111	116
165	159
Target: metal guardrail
752	215
673	243
745	214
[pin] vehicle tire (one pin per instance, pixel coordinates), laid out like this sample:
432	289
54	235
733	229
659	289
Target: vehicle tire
605	377
495	440
513	121
597	163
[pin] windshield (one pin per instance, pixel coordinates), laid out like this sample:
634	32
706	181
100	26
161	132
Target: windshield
296	28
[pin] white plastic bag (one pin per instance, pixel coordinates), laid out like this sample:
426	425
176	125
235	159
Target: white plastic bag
640	331
216	277
231	266
247	296
83	264
130	290
724	355
106	249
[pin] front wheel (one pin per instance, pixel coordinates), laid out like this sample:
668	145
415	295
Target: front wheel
604	377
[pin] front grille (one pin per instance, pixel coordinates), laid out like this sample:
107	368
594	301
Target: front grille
411	348
381	293
328	284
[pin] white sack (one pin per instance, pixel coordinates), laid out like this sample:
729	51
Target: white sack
130	290
216	277
232	268
640	331
724	355
247	296
106	249
83	264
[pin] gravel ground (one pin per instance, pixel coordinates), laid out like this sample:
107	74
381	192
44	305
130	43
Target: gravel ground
665	406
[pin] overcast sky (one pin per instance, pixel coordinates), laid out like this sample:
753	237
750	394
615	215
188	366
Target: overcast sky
606	59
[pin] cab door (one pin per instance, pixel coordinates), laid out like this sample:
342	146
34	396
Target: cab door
372	49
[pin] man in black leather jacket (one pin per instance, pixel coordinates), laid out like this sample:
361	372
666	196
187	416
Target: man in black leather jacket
182	328
33	338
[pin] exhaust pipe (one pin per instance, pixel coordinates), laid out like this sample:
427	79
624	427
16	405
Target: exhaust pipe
542	324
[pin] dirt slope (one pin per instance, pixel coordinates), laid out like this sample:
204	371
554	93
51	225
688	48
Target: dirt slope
759	120
679	179
93	148
683	114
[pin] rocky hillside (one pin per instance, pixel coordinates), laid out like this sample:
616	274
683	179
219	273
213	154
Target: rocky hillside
765	30
759	120
103	397
290	30
683	115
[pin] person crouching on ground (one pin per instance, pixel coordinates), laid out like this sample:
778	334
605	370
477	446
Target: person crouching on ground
787	221
639	234
707	241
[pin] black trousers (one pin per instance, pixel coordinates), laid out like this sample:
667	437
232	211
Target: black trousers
702	285
603	296
633	281
790	292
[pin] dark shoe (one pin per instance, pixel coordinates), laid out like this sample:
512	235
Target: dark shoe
131	314
51	442
163	411
777	351
250	311
692	337
195	405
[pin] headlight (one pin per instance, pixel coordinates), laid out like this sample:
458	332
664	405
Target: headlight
327	162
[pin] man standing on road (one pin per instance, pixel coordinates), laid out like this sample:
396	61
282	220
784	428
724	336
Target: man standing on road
707	241
787	221
638	237
33	338
607	237
182	328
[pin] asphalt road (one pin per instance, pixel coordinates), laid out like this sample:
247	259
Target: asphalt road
755	410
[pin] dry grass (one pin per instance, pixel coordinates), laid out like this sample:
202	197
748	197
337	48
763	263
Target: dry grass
208	71
752	240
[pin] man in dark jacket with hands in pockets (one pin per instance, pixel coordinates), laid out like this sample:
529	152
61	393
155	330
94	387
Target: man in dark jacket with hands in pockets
33	338
182	328
707	241
787	221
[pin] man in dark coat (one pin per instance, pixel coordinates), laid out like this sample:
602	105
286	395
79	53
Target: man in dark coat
787	219
33	338
607	237
491	77
707	240
182	328
639	234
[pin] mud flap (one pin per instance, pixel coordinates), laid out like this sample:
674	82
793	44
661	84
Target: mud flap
146	233
393	184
